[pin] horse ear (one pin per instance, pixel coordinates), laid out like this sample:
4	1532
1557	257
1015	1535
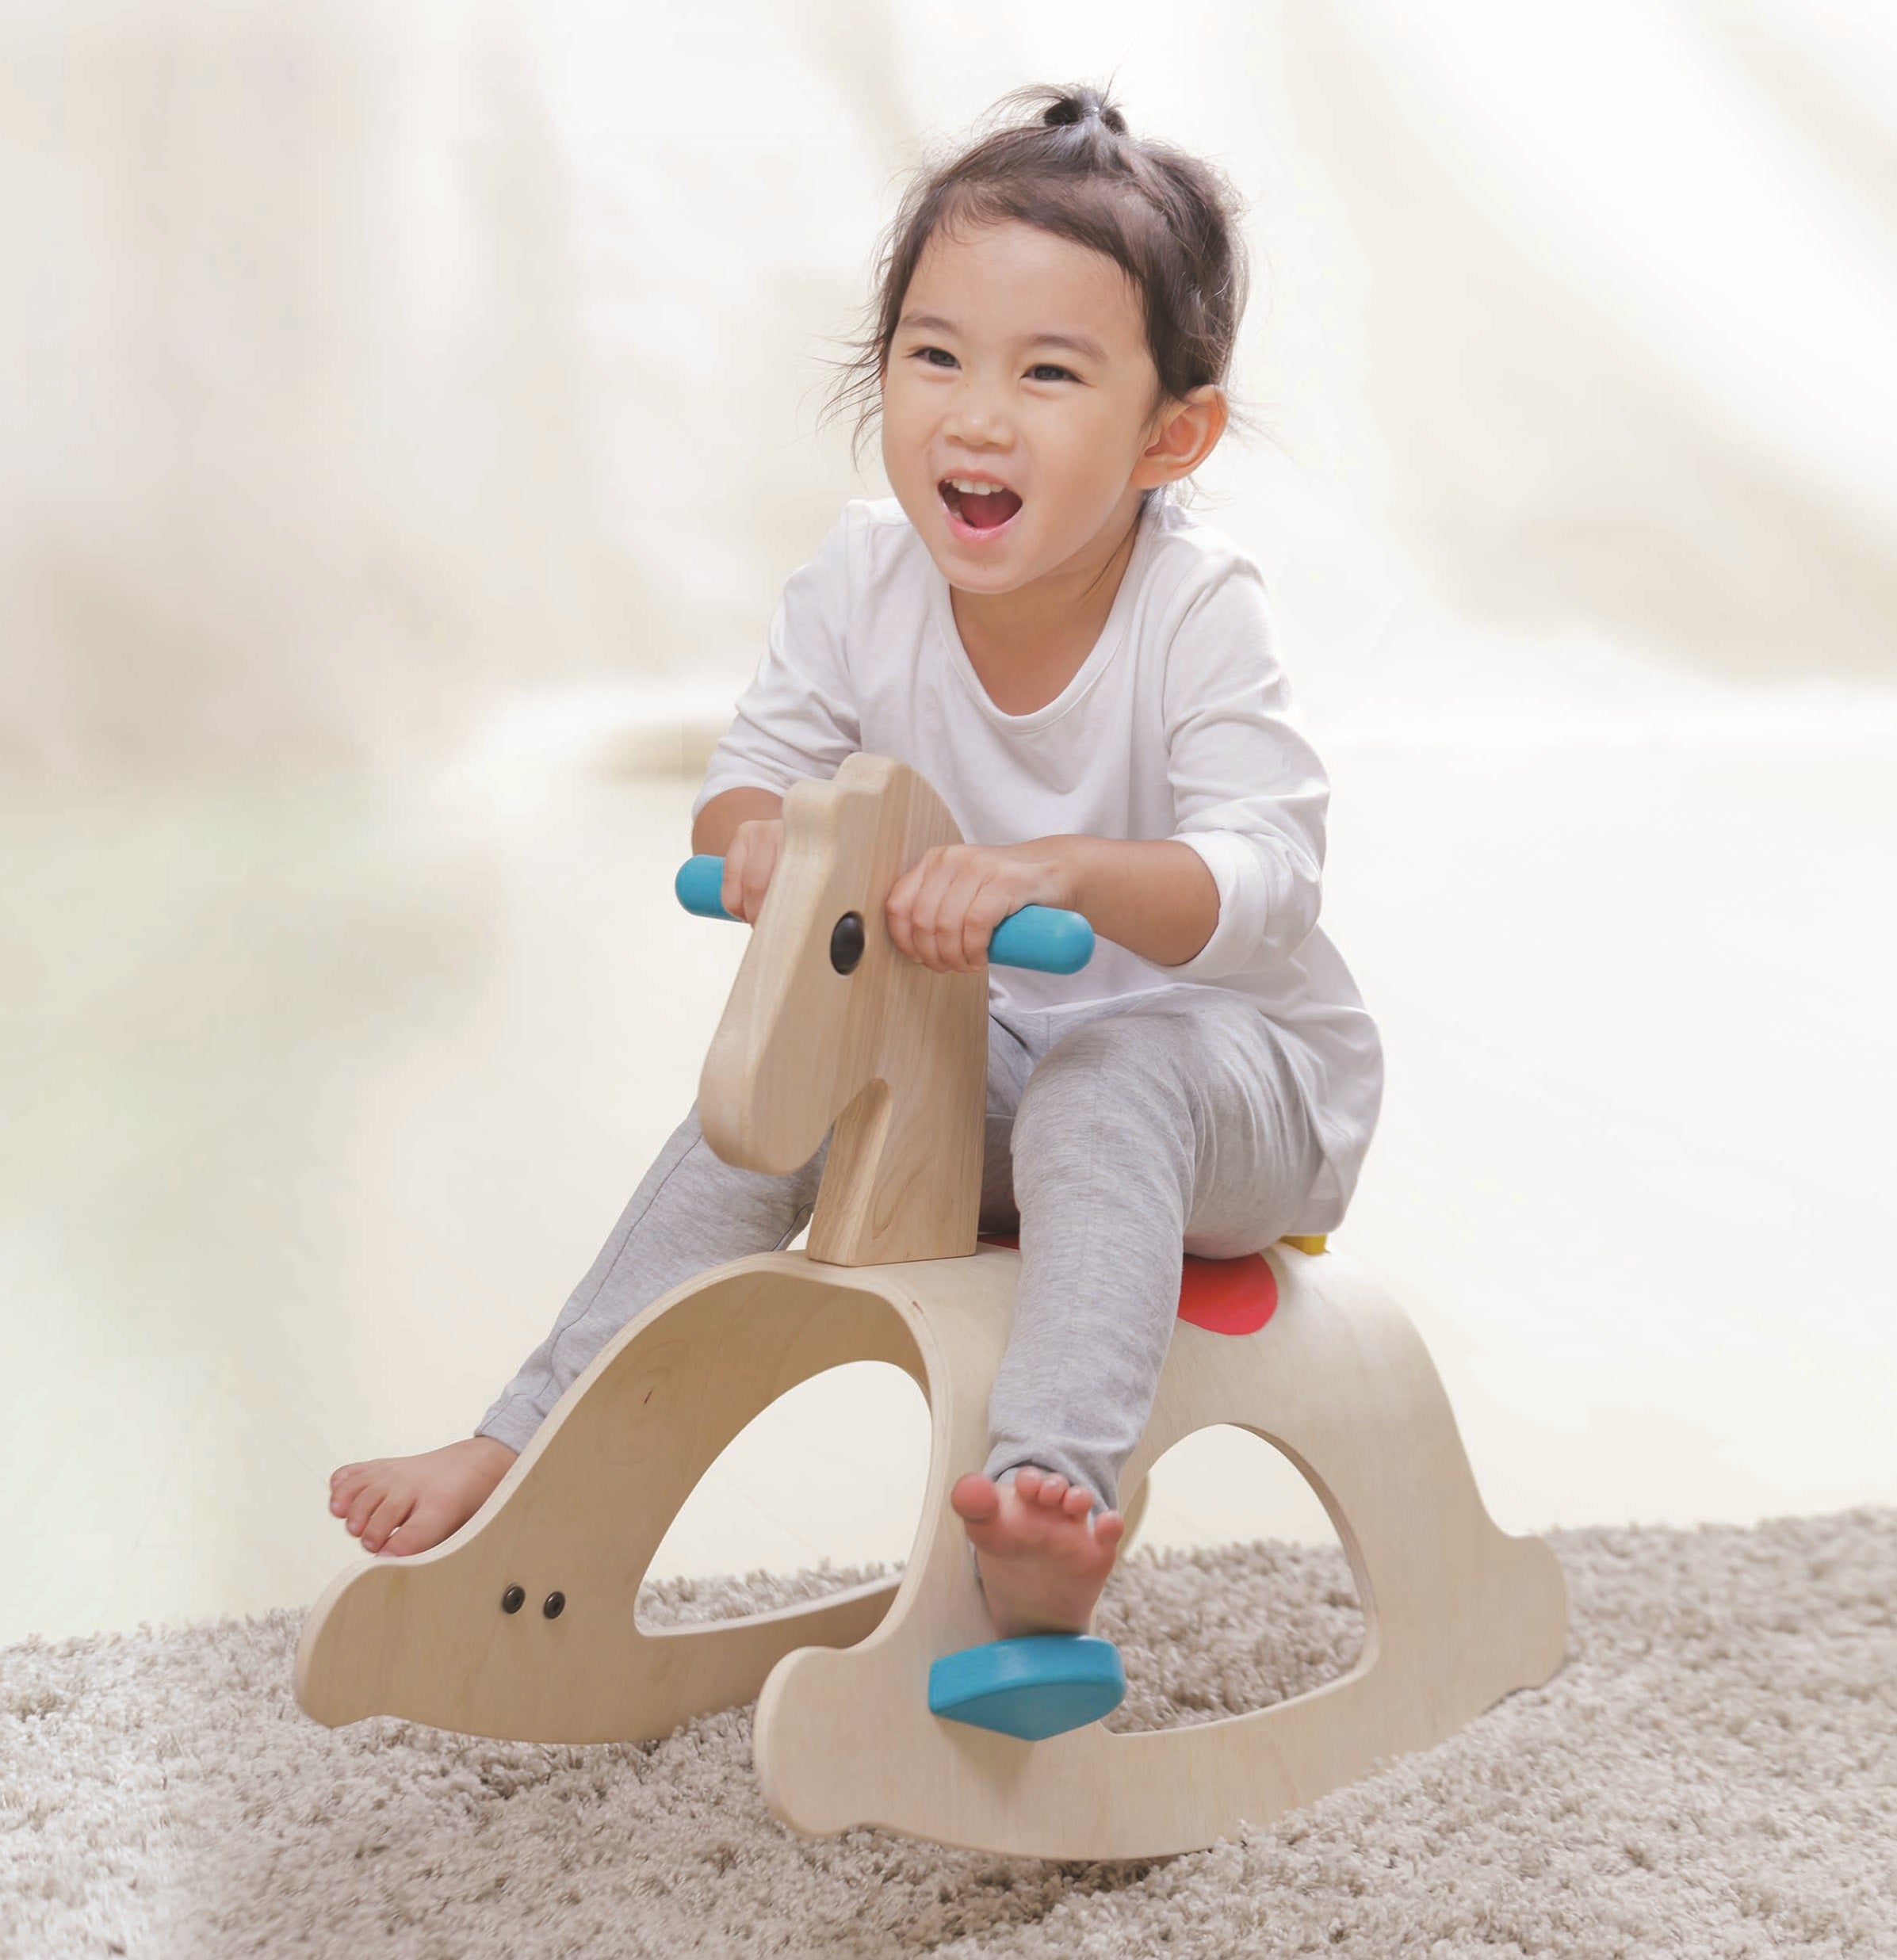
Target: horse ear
856	819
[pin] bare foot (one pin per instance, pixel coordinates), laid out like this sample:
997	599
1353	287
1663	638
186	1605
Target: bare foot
397	1505
1042	1566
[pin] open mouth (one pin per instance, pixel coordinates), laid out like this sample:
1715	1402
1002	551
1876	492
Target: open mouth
976	506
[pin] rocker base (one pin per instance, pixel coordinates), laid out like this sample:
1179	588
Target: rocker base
1034	1686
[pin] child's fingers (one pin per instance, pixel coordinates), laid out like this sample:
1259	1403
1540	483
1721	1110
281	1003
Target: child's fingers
730	887
758	868
938	927
975	903
749	863
968	945
943	911
928	881
988	905
764	855
949	921
965	906
898	914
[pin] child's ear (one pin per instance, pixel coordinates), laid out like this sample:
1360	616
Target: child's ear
1186	432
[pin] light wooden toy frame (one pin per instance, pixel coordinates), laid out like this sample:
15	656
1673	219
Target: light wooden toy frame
522	1623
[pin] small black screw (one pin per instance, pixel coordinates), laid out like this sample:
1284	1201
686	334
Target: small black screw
513	1599
556	1605
846	943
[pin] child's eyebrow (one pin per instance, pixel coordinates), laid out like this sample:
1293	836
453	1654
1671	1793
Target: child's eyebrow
1073	343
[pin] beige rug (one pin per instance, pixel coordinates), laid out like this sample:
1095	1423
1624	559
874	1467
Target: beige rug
1715	1772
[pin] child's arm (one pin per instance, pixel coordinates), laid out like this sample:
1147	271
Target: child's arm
1237	883
1157	899
715	826
1249	793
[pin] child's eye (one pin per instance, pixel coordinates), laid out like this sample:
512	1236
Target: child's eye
1046	371
926	355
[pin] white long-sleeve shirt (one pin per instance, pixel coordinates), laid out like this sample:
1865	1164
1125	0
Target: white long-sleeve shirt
1179	723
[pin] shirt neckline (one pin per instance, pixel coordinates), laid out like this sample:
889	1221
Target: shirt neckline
1088	671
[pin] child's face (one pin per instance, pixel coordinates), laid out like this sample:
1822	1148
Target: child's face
977	386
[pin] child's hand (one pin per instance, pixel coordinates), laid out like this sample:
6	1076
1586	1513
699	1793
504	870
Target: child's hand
750	858
944	908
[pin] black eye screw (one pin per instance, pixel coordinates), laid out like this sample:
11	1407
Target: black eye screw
846	943
513	1599
556	1605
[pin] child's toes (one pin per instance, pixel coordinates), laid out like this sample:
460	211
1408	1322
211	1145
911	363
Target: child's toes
1109	1528
1027	1483
1054	1488
976	1498
390	1512
362	1506
1078	1501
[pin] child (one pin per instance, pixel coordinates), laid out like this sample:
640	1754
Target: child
1084	674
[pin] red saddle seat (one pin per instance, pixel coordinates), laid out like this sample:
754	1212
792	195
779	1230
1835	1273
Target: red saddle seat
1223	1296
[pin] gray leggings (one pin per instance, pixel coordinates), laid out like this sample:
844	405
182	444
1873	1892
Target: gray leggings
1118	1133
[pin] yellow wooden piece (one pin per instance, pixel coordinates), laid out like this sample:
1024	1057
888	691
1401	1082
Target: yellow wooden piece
895	1055
1313	1242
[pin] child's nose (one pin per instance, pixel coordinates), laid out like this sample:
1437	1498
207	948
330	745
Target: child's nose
975	416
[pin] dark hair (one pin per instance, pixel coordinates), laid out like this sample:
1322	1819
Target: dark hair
1170	221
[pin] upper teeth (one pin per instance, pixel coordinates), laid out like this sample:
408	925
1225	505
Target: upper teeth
974	488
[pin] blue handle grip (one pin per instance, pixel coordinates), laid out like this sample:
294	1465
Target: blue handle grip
1039	937
1043	939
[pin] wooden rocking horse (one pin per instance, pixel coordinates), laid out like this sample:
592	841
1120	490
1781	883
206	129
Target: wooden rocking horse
522	1623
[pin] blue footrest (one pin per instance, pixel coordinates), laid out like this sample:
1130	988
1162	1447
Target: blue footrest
1038	1686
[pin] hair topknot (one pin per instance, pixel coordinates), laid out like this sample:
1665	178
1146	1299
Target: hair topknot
1076	105
1061	160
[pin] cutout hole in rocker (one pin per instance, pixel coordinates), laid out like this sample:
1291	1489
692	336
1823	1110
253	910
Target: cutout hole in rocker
1284	1619
820	1491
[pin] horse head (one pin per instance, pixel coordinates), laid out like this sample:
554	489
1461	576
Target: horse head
829	1024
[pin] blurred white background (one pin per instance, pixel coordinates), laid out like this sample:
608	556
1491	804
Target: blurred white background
410	416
